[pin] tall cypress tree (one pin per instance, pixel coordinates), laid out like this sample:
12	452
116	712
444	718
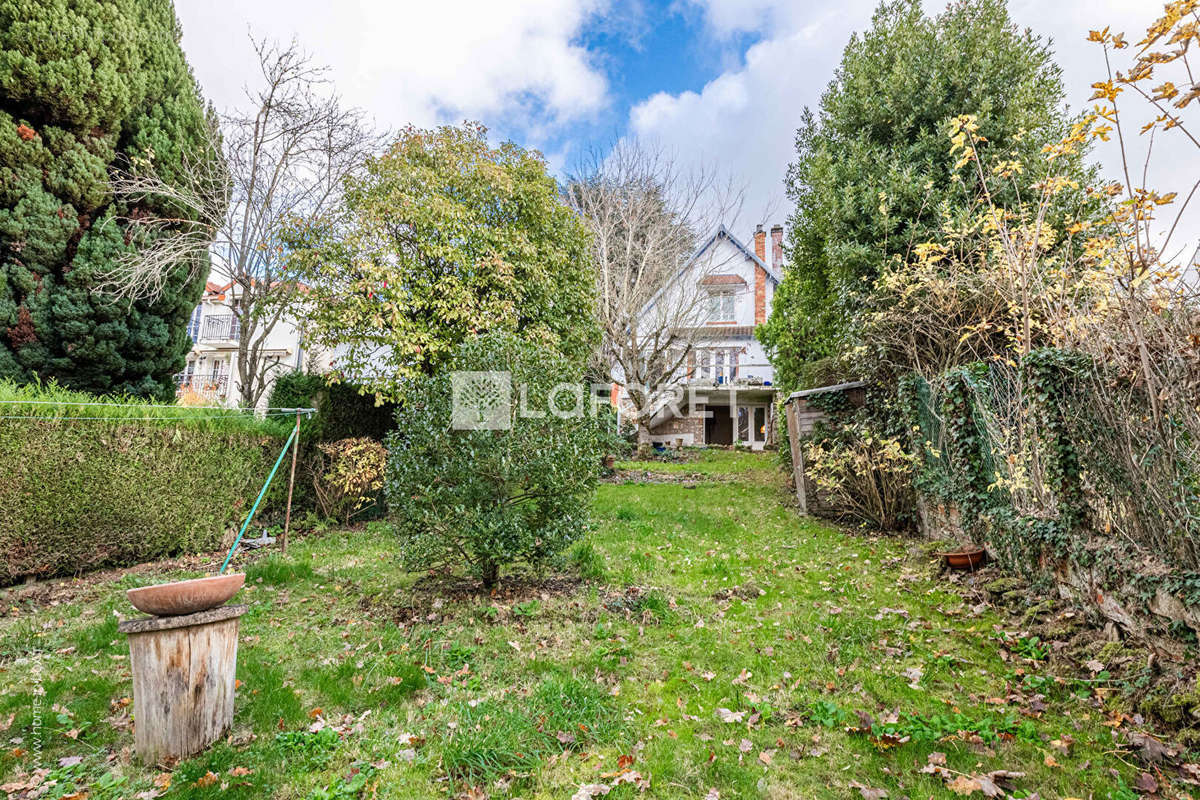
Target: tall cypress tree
86	85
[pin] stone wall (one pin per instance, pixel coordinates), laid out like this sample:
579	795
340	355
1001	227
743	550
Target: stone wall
689	428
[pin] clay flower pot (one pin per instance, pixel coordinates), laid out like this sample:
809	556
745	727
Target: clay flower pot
967	557
186	597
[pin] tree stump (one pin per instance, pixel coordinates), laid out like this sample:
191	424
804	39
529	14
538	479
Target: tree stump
183	679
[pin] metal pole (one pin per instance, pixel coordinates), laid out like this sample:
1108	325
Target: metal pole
287	515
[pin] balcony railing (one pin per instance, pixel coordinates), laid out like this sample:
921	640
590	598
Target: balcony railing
724	375
210	387
220	328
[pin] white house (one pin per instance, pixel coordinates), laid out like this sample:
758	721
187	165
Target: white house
727	386
210	375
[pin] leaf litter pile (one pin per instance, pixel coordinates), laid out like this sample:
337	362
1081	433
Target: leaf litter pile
704	642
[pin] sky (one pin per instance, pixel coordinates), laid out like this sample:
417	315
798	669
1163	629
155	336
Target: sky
718	83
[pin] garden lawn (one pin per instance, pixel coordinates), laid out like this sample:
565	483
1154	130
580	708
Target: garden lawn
719	645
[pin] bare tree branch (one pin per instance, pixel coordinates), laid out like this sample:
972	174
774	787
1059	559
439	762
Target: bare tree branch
647	216
285	159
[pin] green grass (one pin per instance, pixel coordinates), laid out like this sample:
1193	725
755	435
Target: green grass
709	462
705	603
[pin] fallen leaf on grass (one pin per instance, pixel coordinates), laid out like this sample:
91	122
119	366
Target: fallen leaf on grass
238	772
207	779
713	794
867	792
727	716
964	785
1151	750
590	790
633	778
765	756
1146	783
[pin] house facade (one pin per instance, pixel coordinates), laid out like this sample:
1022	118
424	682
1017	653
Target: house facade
210	374
725	391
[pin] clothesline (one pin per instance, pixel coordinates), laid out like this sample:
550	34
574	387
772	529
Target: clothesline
147	405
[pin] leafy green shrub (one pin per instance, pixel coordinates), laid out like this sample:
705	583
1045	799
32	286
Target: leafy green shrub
90	486
484	499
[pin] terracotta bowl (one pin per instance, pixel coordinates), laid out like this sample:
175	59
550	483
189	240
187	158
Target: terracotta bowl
186	597
965	558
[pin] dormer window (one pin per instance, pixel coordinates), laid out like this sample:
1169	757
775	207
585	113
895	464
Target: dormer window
720	306
722	289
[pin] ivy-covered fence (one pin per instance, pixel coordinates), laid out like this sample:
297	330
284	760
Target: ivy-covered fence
1063	472
87	486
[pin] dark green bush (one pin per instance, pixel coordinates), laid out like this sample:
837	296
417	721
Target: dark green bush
483	499
92	486
342	411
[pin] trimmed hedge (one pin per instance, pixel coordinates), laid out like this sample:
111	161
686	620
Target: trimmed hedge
92	486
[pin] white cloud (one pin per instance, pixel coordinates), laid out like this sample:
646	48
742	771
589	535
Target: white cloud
418	62
745	119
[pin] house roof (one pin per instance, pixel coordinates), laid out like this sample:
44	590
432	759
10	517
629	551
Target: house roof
720	233
725	232
216	289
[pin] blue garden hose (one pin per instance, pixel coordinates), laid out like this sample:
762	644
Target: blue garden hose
261	494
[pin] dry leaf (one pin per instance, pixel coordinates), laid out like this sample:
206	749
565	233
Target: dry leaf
207	779
867	792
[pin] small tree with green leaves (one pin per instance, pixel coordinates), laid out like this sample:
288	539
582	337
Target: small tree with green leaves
517	492
441	238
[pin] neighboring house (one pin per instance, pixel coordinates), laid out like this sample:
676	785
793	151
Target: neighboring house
210	375
728	381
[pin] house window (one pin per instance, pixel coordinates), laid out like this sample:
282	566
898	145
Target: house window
724	364
720	307
194	325
704	360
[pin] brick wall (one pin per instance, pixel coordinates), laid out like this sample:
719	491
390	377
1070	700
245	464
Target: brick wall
760	277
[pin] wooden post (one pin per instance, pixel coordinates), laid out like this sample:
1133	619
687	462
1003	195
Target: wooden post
287	515
793	426
184	670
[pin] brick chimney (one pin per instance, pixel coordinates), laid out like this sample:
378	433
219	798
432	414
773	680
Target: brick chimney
760	277
777	247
